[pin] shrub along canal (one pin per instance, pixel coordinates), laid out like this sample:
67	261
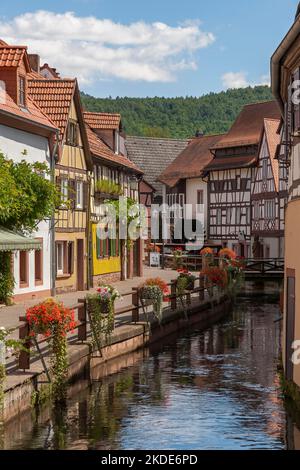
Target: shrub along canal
212	389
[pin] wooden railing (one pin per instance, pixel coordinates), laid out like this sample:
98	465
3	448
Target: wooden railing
82	331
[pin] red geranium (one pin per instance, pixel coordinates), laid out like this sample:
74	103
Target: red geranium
216	276
48	316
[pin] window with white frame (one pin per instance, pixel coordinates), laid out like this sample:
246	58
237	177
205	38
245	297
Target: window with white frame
60	258
79	194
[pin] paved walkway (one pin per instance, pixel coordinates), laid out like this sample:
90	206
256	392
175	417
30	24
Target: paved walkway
9	316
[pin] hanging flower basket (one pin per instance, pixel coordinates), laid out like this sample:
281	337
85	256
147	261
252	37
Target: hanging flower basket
185	281
156	291
53	320
101	306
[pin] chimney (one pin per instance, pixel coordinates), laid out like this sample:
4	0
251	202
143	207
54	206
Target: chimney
34	60
199	133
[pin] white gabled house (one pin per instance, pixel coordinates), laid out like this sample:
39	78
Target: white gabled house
26	133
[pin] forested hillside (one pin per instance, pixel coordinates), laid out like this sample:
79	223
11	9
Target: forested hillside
179	117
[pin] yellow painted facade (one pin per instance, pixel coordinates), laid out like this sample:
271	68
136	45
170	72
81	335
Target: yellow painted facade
103	266
71	224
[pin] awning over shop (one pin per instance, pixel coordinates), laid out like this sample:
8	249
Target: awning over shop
11	241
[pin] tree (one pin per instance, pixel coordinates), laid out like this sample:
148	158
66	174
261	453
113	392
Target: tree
27	196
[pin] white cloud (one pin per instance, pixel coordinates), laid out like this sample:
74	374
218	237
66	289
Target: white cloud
239	80
234	80
92	48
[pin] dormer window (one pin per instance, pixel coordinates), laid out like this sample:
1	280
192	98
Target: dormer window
22	91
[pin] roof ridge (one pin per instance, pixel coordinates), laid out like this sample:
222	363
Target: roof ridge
158	138
259	102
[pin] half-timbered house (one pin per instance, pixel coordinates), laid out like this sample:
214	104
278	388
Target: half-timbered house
186	187
26	133
230	176
60	100
113	175
267	216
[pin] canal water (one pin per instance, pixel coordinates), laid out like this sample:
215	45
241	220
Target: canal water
212	389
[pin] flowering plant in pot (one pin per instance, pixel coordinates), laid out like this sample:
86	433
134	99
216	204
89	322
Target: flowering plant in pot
207	257
155	290
53	320
185	281
216	276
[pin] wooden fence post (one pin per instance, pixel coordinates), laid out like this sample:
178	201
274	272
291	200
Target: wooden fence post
173	294
82	318
135	303
24	357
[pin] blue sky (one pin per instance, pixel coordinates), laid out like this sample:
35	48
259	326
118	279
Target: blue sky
161	47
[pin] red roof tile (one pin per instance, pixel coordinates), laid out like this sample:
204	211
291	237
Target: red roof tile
102	120
100	149
273	140
32	113
191	161
247	128
12	56
54	97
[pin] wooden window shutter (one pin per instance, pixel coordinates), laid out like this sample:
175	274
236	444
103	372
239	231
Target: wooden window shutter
98	245
85	195
77	131
58	186
72	192
70	258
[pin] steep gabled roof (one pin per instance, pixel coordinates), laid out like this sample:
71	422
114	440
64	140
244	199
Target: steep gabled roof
12	56
153	155
273	140
101	150
102	120
31	114
191	162
246	130
54	97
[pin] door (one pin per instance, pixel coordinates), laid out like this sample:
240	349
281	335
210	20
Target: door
290	327
80	265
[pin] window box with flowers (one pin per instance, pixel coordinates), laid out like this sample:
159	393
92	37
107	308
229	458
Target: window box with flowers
155	291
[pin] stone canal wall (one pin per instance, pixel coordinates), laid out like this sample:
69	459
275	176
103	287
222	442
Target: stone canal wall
25	388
